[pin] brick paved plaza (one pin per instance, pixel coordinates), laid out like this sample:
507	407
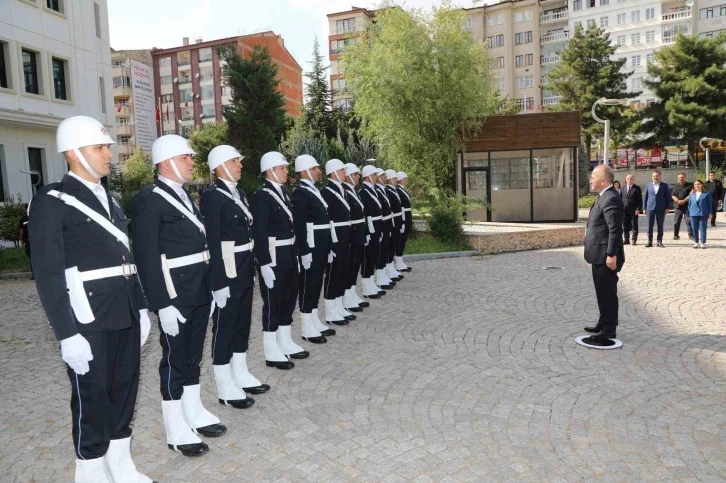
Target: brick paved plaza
467	371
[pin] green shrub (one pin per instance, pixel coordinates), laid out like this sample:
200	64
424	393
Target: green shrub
13	260
446	215
10	213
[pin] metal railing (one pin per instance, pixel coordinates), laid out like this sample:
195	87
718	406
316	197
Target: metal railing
680	14
544	80
554	37
346	30
182	63
336	51
549	59
551	101
552	17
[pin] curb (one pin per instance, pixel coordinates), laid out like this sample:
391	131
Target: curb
438	256
15	276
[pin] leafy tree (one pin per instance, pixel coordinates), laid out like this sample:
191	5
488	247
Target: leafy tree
10	213
358	152
422	86
256	119
115	178
204	140
689	80
301	140
317	115
139	171
586	73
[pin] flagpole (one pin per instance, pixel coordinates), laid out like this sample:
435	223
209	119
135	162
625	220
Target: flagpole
161	119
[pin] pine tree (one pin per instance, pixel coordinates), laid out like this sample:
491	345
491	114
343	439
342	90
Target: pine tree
316	112
587	73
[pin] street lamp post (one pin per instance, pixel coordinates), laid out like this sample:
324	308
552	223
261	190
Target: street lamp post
603	101
708	151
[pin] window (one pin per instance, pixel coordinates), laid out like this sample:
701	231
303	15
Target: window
165	62
635	16
102	91
635	39
345	25
497	19
124	140
165	79
529	102
523	15
621	18
60	74
97	17
592	4
2	183
122	102
166	98
30	71
522	60
635	61
208	111
650	36
122	121
577	5
495	41
208	92
169	114
119	63
499	83
649	13
206	73
649	58
637	83
525	82
205	55
122	81
591	23
56	5
529	59
519	61
523	38
166	132
186	95
604	22
4	66
36	162
620	40
497	63
225	91
604	2
578	24
469	22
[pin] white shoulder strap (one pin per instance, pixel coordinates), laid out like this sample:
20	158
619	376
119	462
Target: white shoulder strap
92	214
373	197
280	202
385	197
173	202
342	200
317	194
355	196
238	203
395	192
403	190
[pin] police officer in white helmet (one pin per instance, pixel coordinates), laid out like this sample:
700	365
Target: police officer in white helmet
402	177
397	225
358	238
172	252
373	212
87	283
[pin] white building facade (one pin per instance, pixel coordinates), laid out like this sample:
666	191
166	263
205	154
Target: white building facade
55	62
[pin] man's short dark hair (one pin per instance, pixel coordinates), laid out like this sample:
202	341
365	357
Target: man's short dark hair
712	172
681	174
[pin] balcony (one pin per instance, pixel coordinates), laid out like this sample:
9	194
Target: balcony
558	37
677	15
671	39
337	91
549	59
121	91
125	149
184	64
336	51
554	17
347	30
551	100
544	80
124	130
123	110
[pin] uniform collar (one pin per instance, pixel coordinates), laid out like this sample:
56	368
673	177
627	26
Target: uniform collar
308	182
230	185
171	184
603	191
369	184
91	186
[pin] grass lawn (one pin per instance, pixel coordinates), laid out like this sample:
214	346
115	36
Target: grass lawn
13	260
425	243
587	200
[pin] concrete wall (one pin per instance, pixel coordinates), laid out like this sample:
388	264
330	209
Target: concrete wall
554	237
643	176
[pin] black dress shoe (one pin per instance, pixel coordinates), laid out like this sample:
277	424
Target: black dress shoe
284	365
349	317
261	389
602	336
212	431
354	309
676	237
593	330
316	340
338	322
660	245
387	287
626	242
635	242
364	305
238	403
374	296
328	332
299	355
382	293
649	245
196	449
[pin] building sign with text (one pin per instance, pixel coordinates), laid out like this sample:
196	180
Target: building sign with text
144	104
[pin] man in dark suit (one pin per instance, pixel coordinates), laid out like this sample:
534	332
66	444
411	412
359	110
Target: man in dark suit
715	187
604	251
633	202
656	201
679	194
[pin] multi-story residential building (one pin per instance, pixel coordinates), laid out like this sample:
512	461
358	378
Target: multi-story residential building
188	80
55	62
123	102
711	17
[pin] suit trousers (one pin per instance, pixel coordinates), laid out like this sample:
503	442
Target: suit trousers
370	256
384	245
698	224
681	215
182	354
356	259
231	327
311	282
336	273
606	290
278	302
714	207
655	217
404	239
630	223
104	398
395	240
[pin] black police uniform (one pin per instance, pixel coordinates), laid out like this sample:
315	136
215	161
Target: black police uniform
226	221
396	221
273	219
386	226
103	399
407	218
372	209
357	234
716	189
159	229
309	207
339	213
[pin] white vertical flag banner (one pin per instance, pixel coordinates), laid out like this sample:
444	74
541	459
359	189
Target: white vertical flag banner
142	90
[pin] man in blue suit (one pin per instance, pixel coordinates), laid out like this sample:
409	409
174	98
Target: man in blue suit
656	200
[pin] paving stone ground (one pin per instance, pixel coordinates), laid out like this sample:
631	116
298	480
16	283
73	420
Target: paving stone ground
467	371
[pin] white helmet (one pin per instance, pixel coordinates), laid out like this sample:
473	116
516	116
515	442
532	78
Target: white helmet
272	160
333	165
401	176
220	155
351	168
390	174
166	147
79	132
369	170
305	162
380	173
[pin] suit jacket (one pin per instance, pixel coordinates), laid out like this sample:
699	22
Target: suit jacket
604	235
338	212
272	220
63	237
385	207
657	202
372	208
702	207
357	227
406	205
225	221
308	208
633	200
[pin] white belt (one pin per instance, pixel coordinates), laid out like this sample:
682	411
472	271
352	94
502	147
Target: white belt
386	218
321	227
375	218
245	248
397	214
407	209
125	270
341	223
357	222
284	243
188	260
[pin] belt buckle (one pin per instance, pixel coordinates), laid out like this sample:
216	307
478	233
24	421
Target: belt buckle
126	270
205	256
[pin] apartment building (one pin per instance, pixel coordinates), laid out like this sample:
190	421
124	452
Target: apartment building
711	17
55	62
188	80
133	101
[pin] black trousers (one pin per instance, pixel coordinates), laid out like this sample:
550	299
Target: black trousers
278	302
370	256
182	354
355	261
404	239
311	282
384	245
231	327
104	398
630	223
659	217
714	207
395	240
606	289
681	215
336	273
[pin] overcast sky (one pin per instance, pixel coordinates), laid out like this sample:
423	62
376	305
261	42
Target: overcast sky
143	24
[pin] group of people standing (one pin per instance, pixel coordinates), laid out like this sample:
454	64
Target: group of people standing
189	264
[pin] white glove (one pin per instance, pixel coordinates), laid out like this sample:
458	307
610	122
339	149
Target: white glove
331	255
76	352
268	274
403	228
368	240
307	260
381	238
145	324
168	318
220	297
